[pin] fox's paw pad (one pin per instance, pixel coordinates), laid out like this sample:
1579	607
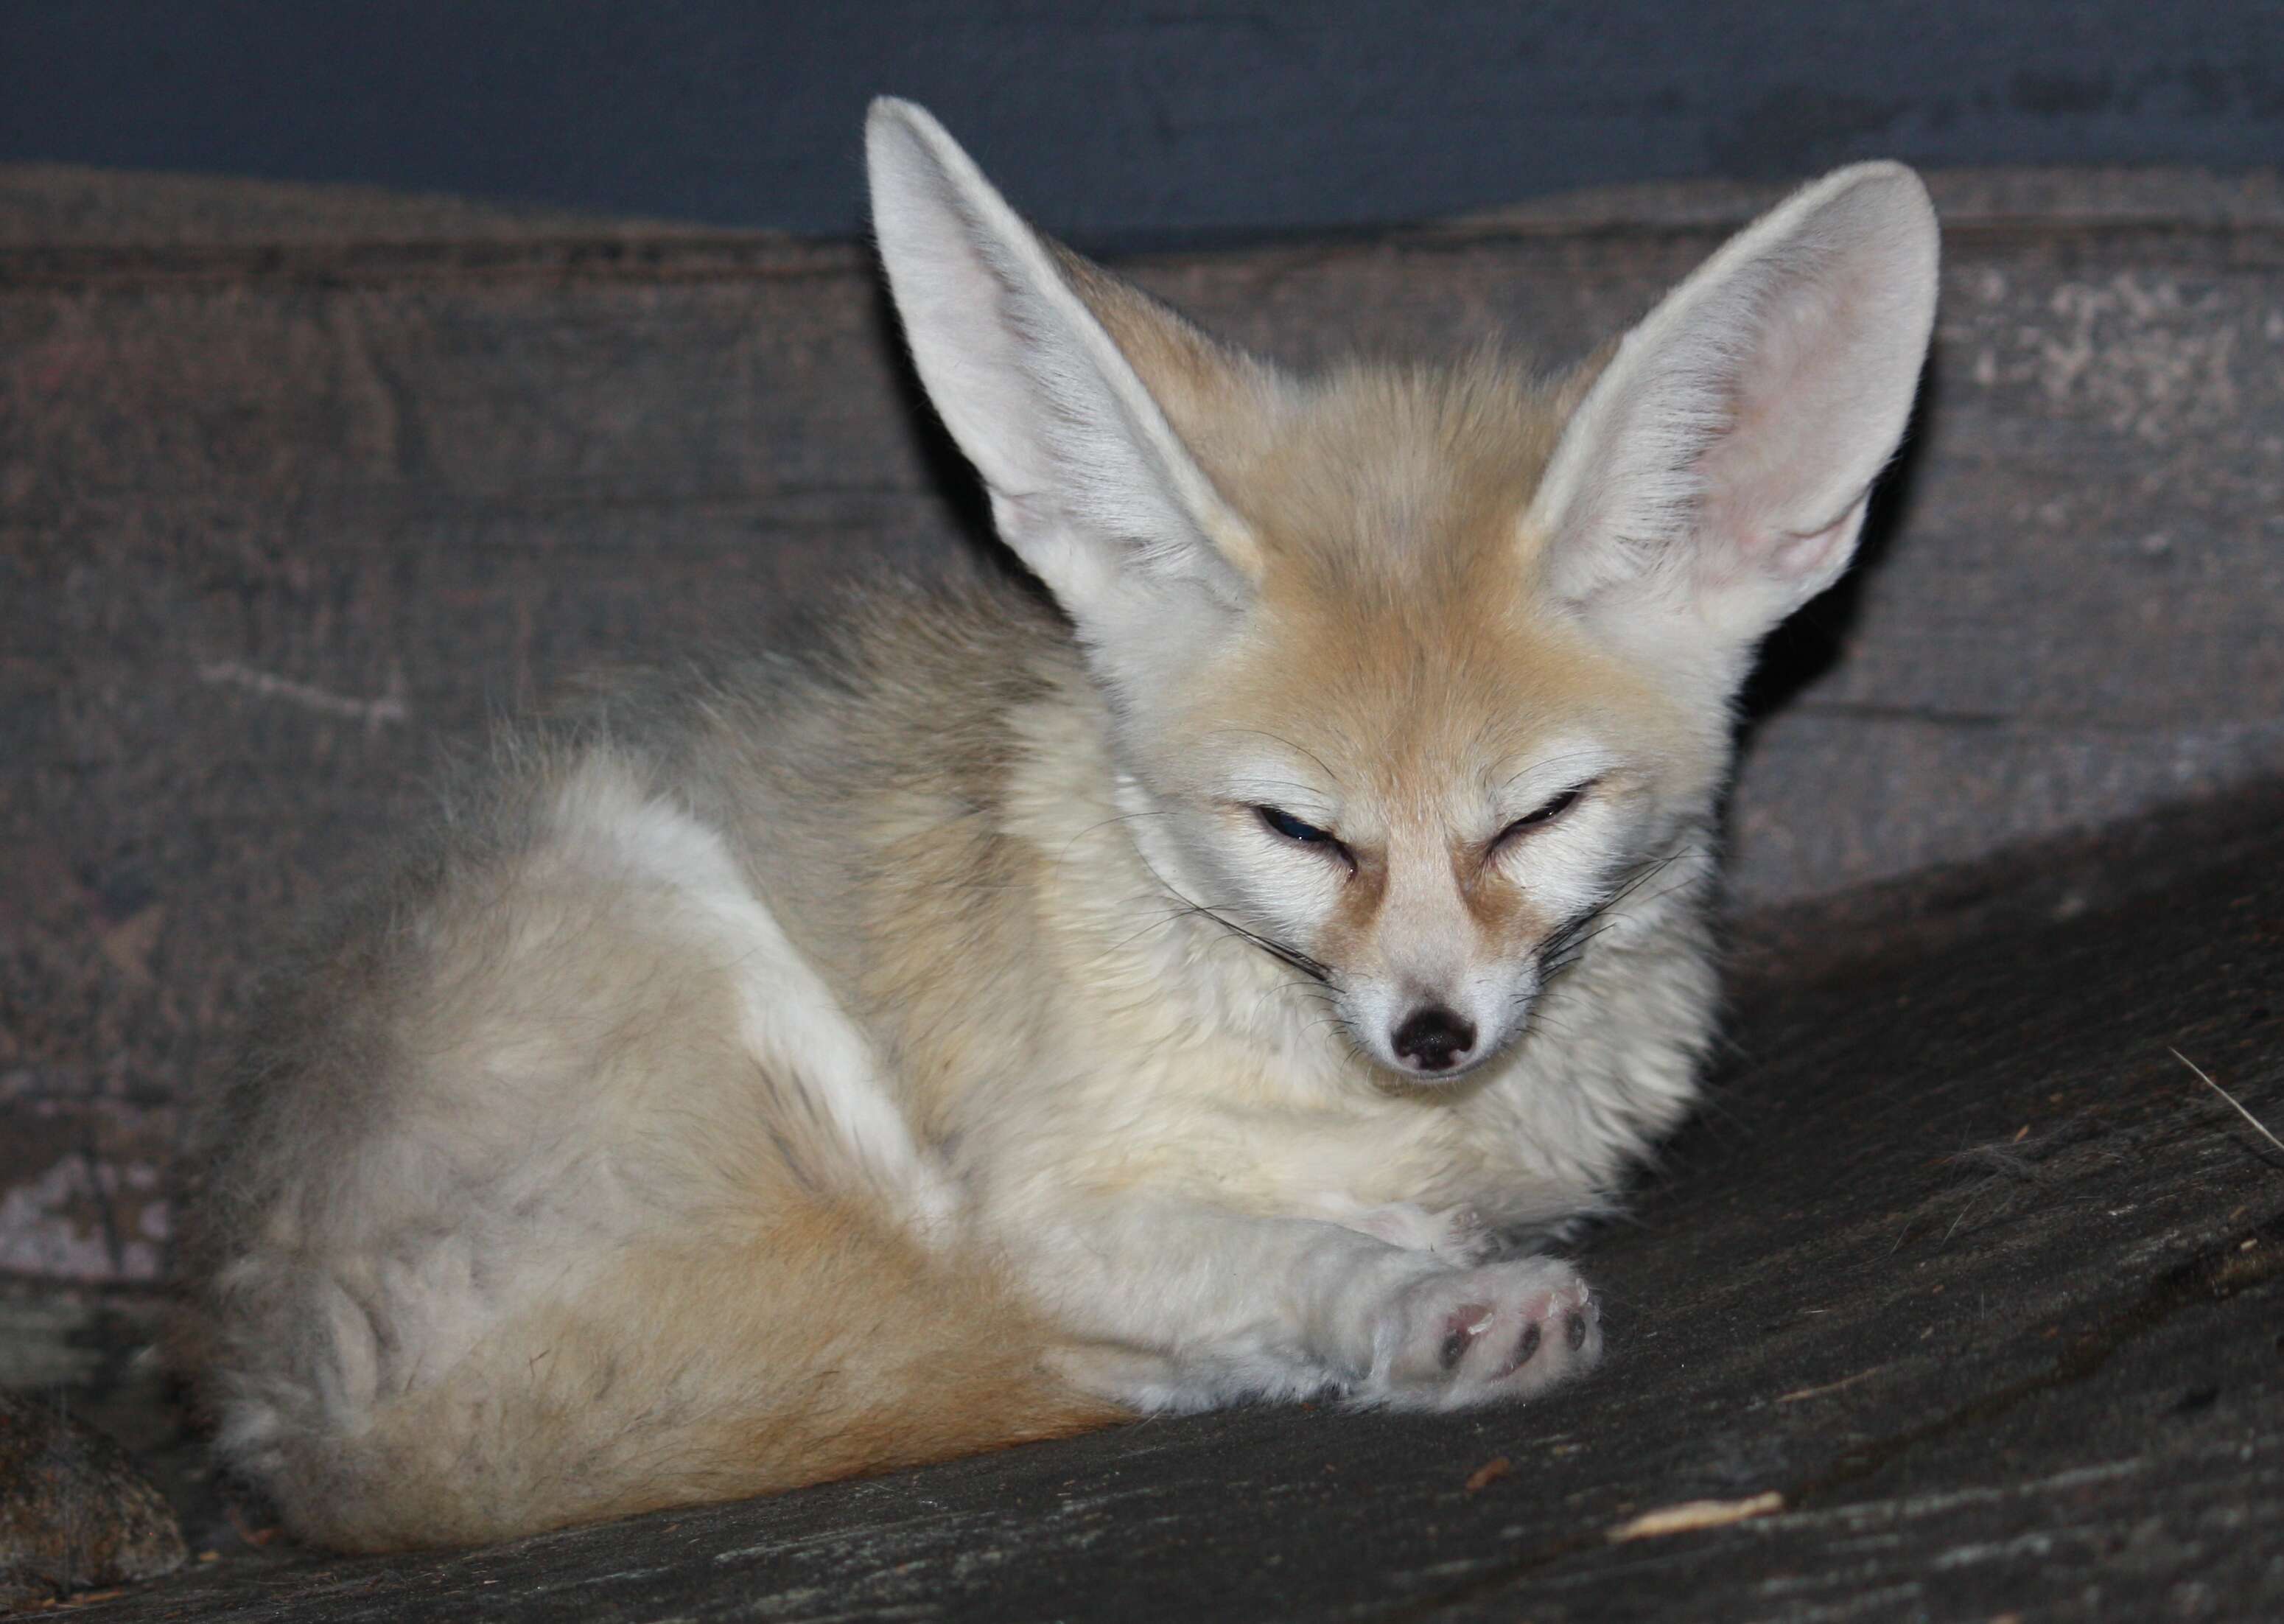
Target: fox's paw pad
1458	1235
1481	1336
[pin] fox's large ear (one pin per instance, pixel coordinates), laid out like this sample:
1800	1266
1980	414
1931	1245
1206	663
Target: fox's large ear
1089	482
1715	475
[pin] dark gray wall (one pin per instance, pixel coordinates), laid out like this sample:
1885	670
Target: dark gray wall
1126	123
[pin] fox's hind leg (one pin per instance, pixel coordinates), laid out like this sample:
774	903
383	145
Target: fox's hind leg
566	1188
714	1368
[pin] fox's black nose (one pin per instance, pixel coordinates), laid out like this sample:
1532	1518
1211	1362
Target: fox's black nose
1434	1038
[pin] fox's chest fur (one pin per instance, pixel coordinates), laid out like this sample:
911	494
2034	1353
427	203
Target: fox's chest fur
982	1020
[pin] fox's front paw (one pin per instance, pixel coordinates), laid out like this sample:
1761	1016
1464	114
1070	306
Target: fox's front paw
1480	1336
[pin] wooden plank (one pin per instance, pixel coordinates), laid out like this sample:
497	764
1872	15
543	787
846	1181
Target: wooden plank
284	512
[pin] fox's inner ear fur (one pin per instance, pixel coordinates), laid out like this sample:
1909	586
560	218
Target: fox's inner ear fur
1719	464
1089	482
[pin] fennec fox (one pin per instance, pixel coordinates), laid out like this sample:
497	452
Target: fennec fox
996	1019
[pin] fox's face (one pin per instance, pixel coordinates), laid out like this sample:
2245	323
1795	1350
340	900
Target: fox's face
1433	884
1419	678
1396	765
1431	836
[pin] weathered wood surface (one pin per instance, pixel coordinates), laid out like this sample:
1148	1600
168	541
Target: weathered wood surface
1963	1268
76	1513
287	502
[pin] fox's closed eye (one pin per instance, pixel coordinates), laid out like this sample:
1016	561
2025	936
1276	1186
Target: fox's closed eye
1539	816
1291	828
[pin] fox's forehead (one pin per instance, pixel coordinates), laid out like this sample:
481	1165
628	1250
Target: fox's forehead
1423	701
1397	647
1394	479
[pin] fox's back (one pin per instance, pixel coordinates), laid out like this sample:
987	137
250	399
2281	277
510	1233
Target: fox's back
525	1054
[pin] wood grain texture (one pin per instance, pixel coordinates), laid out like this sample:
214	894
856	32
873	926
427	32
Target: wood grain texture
286	513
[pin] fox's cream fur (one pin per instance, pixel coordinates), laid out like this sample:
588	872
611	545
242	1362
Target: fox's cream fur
995	1019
